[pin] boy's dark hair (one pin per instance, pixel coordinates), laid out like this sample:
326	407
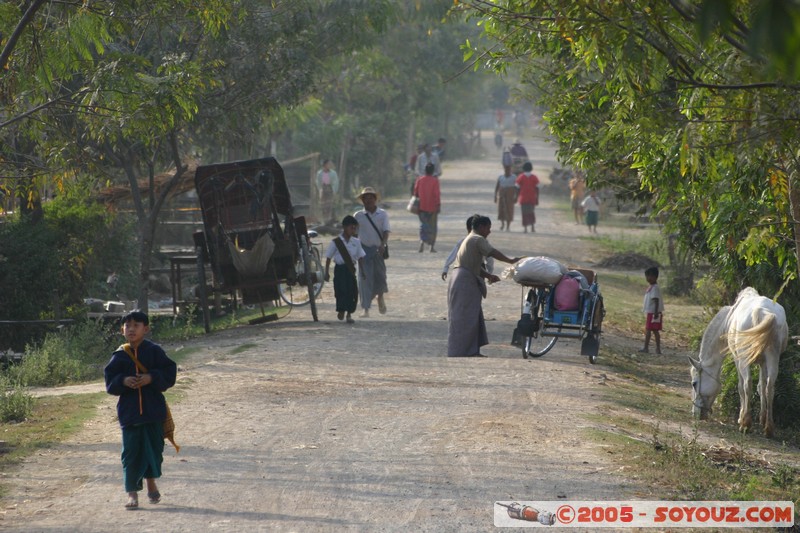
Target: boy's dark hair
652	271
349	220
480	221
429	168
137	316
470	220
527	166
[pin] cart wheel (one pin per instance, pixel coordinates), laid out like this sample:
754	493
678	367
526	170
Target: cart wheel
312	268
537	345
590	346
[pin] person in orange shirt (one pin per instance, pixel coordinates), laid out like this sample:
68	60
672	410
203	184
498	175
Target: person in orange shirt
577	190
528	185
430	204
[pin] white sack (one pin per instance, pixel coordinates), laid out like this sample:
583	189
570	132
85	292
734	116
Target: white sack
537	270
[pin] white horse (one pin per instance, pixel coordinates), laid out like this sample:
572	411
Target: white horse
754	330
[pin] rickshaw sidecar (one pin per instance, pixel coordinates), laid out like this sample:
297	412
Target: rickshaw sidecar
542	324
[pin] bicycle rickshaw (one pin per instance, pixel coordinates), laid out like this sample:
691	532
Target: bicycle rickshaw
542	324
255	244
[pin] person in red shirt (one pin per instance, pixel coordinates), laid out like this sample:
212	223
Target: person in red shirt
430	203
528	185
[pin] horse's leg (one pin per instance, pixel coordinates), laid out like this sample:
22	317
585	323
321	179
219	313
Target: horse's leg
769	375
762	394
745	420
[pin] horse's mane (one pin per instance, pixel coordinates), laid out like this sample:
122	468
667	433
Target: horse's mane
712	345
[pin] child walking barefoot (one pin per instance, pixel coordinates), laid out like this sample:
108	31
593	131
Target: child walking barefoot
139	372
345	251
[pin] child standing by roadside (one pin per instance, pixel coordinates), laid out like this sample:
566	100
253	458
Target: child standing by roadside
139	372
591	207
346	251
654	310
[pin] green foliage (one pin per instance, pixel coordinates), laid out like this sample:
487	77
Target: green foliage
675	107
378	103
16	405
75	354
61	260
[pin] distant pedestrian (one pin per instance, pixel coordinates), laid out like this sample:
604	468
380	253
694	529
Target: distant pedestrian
410	168
430	204
528	184
428	156
653	308
577	190
439	149
519	155
505	196
591	208
328	188
346	252
138	373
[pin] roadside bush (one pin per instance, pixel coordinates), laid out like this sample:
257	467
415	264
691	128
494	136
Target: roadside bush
59	261
75	354
15	404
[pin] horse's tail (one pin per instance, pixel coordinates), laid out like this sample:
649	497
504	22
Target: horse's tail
750	343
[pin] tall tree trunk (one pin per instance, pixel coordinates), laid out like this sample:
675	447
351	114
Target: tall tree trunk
147	215
146	234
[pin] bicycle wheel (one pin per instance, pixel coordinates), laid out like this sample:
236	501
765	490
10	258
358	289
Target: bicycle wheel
537	345
298	294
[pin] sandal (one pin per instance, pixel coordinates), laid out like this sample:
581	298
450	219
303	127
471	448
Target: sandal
154	497
133	503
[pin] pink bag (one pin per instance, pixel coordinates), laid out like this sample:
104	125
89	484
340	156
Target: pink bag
568	293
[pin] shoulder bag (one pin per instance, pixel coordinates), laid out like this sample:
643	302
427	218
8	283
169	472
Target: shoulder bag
385	244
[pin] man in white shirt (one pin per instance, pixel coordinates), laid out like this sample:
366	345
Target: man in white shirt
373	232
428	156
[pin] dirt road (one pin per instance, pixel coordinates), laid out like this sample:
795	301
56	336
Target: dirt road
302	426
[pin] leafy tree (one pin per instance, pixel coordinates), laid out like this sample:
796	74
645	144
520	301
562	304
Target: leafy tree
676	104
379	102
125	89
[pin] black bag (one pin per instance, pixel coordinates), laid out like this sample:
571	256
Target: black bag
386	250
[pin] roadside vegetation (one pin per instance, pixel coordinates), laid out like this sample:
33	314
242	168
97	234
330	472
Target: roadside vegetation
654	438
77	355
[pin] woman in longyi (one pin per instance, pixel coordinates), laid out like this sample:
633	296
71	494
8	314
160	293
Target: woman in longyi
467	328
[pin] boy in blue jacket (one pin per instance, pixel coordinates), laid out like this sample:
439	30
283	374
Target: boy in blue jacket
139	372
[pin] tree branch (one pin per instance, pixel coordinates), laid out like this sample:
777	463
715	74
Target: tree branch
23	23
